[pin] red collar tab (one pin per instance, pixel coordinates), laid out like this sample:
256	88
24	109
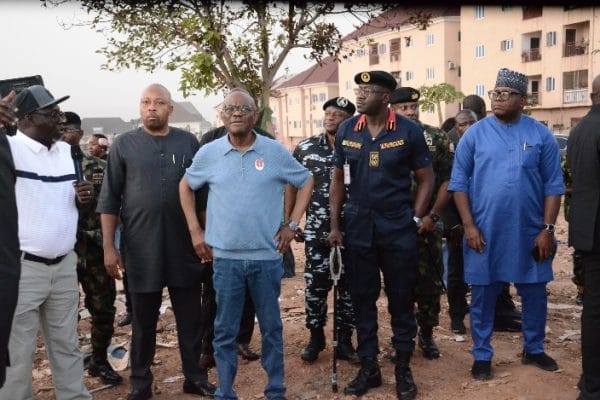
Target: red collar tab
391	122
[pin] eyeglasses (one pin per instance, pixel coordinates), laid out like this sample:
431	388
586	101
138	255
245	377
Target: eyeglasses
229	109
366	91
406	107
504	95
55	114
74	131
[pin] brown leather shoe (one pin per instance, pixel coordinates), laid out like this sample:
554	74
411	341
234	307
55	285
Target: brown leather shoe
247	353
207	361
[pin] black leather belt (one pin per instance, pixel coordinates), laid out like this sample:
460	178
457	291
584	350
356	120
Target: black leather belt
47	261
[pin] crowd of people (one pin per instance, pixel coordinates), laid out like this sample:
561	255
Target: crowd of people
211	221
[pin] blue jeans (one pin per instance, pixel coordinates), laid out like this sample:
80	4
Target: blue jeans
231	279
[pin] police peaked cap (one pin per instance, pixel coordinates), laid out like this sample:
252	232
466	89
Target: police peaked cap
381	78
405	94
342	103
34	98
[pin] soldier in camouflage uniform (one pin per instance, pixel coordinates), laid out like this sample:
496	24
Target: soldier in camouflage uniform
430	285
316	153
577	261
98	287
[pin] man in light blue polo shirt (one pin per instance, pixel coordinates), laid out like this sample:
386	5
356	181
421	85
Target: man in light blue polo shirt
246	174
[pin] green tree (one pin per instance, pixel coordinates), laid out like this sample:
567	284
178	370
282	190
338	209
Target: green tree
432	97
216	44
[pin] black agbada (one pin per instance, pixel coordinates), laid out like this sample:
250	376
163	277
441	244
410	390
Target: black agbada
141	184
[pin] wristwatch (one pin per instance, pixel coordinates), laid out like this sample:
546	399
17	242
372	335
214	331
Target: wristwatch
293	225
549	227
417	221
434	217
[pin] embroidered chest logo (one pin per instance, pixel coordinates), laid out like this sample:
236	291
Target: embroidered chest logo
351	143
390	145
259	164
374	159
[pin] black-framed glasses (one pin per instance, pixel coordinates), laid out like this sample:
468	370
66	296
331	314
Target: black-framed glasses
366	91
229	109
503	95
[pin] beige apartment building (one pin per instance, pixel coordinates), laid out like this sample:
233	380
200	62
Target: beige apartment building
297	103
415	57
554	46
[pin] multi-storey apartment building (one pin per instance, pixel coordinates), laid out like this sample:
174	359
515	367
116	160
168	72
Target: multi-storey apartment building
297	102
416	57
554	46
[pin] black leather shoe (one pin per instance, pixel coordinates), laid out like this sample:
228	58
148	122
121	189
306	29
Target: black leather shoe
428	346
246	352
126	320
405	384
541	360
315	345
207	361
457	325
105	372
202	388
504	324
369	376
140	394
345	351
482	370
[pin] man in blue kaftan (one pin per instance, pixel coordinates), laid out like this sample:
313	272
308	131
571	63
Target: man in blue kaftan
507	184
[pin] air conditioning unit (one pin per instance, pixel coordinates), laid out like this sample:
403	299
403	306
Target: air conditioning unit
451	65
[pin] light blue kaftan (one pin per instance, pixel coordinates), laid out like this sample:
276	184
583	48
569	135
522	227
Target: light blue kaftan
507	170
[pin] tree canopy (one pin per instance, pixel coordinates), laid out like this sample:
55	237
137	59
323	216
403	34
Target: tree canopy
432	97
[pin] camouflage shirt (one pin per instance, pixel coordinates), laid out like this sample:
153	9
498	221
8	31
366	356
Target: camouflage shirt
440	148
89	219
316	155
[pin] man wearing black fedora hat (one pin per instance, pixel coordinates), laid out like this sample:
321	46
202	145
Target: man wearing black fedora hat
316	154
47	194
375	154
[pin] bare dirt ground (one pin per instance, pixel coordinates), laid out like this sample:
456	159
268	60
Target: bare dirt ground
446	378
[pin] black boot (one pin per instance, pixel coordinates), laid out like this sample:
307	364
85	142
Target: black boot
427	345
405	384
457	308
100	367
315	345
345	350
369	376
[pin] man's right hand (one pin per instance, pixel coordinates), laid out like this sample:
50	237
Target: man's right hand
335	237
474	237
113	263
202	249
7	112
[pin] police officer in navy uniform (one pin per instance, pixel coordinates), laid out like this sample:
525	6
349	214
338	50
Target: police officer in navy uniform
375	153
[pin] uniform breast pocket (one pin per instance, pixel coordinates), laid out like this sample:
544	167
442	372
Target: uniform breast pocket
530	156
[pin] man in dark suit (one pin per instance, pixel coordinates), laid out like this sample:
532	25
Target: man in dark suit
583	158
10	268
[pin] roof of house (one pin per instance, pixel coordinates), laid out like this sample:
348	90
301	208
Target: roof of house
185	111
326	72
108	125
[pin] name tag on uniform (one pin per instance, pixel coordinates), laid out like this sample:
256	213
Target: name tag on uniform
97	177
351	143
390	145
374	159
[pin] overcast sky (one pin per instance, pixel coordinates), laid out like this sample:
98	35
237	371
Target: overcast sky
34	43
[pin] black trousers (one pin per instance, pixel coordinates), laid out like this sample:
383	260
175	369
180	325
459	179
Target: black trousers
590	328
457	288
145	306
209	311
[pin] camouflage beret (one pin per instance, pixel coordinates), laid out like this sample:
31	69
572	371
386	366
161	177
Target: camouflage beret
405	95
342	103
380	78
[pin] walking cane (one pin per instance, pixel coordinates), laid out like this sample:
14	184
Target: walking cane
335	268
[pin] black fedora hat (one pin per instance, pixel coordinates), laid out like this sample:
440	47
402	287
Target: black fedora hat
34	98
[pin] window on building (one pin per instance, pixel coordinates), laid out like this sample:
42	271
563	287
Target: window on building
381	49
550	84
360	52
532	11
575	80
430	74
551	38
373	54
506	44
410	75
479	12
395	50
348	85
322	97
479	51
458	36
480	90
408	41
315	98
295	125
429	39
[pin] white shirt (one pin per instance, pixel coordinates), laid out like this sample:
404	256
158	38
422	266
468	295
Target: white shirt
45	196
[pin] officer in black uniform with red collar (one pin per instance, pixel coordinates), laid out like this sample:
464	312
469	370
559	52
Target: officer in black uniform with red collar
375	153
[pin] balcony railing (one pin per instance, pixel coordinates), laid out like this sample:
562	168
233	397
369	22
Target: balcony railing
574	49
575	96
531	55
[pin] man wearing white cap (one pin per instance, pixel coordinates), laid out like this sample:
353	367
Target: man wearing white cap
507	184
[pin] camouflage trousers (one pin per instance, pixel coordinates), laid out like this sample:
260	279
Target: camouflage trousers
100	294
577	268
318	284
429	282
